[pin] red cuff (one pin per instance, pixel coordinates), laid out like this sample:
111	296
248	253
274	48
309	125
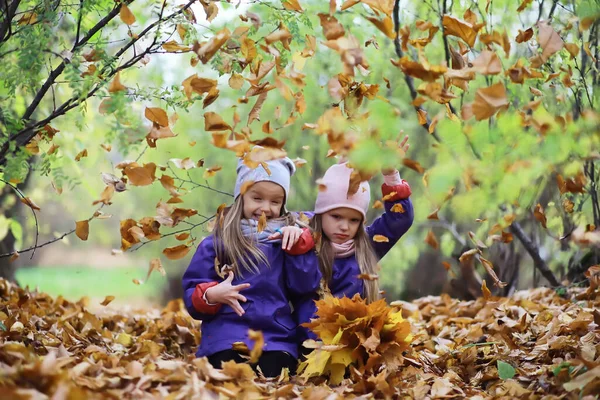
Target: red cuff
198	299
402	191
303	245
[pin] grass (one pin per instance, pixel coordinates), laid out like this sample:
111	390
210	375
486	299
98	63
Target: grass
74	282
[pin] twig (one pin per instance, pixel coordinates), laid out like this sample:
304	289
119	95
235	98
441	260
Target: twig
37	227
174	233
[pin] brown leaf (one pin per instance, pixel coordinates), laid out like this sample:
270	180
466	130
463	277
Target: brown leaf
236	81
82	229
385	25
207	50
538	213
81	154
422	115
157	115
176	252
434	215
292	5
116	85
107	300
573	49
489	100
27	201
524	36
212	171
462	29
431	240
549	41
419	70
140	176
377	205
255	112
185	163
106	195
332	29
214	122
485	291
368	277
259	343
182	236
173	47
414	165
487	63
490	270
126	14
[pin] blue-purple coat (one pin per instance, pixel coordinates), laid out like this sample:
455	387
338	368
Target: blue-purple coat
344	280
287	280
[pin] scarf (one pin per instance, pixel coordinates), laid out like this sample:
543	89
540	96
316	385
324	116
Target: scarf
250	229
344	249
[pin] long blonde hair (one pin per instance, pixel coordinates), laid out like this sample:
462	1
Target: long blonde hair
364	253
230	244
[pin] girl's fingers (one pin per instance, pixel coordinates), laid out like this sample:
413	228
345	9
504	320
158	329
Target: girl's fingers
237	307
241	298
276	235
229	277
241	286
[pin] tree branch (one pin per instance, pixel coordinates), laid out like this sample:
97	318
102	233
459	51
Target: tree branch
11	10
408	79
37	227
534	252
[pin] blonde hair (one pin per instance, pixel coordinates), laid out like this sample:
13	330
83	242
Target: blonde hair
364	253
235	249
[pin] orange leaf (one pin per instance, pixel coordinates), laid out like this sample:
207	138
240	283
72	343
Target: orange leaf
245	186
573	49
27	201
462	29
422	114
259	343
214	122
208	49
262	223
140	176
368	277
489	100
116	85
236	81
397	208
385	25
106	195
81	154
291	5
524	36
176	252
434	215
126	14
431	240
173	47
377	204
380	239
182	236
82	229
538	213
485	291
487	63
422	71
332	29
107	300
414	165
255	112
490	270
157	115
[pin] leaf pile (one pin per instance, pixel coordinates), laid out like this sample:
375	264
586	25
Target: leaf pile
370	336
534	344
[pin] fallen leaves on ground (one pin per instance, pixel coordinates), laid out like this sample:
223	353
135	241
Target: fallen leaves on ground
51	347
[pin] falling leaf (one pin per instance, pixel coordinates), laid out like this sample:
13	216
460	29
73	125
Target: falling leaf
214	122
573	49
27	201
245	186
377	204
173	47
106	147
81	154
538	213
157	115
385	25
116	85
207	50
456	27
414	165
420	70
107	300
524	36
397	208
140	175
568	205
292	5
431	240
490	270
487	63
332	29
182	236
368	277
422	114
126	15
262	223
259	343
446	265
380	239
210	172
106	195
549	41
535	92
434	215
255	112
185	163
82	229
236	81
489	100
485	291
176	252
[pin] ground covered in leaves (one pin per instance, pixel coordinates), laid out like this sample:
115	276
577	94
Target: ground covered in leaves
534	344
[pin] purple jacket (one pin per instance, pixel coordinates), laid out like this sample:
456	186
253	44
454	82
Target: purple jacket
287	279
344	280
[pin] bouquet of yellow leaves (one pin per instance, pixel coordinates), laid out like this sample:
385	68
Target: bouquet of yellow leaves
369	336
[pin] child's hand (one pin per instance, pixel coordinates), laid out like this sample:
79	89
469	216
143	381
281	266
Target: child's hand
225	293
404	146
289	235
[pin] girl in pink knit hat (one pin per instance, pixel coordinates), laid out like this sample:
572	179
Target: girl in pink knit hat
347	247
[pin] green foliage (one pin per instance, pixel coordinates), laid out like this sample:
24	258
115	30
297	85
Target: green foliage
505	370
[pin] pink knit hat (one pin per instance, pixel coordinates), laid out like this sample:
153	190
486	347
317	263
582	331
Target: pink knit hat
335	195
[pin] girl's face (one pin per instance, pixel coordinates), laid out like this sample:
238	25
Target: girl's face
263	197
341	224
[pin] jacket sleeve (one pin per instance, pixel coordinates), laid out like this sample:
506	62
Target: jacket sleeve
199	276
303	279
396	220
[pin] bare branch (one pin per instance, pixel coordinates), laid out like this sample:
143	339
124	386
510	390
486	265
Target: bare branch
37	227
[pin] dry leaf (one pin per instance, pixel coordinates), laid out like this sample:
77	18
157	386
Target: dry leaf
538	213
82	229
380	239
126	15
431	240
107	300
27	201
176	252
